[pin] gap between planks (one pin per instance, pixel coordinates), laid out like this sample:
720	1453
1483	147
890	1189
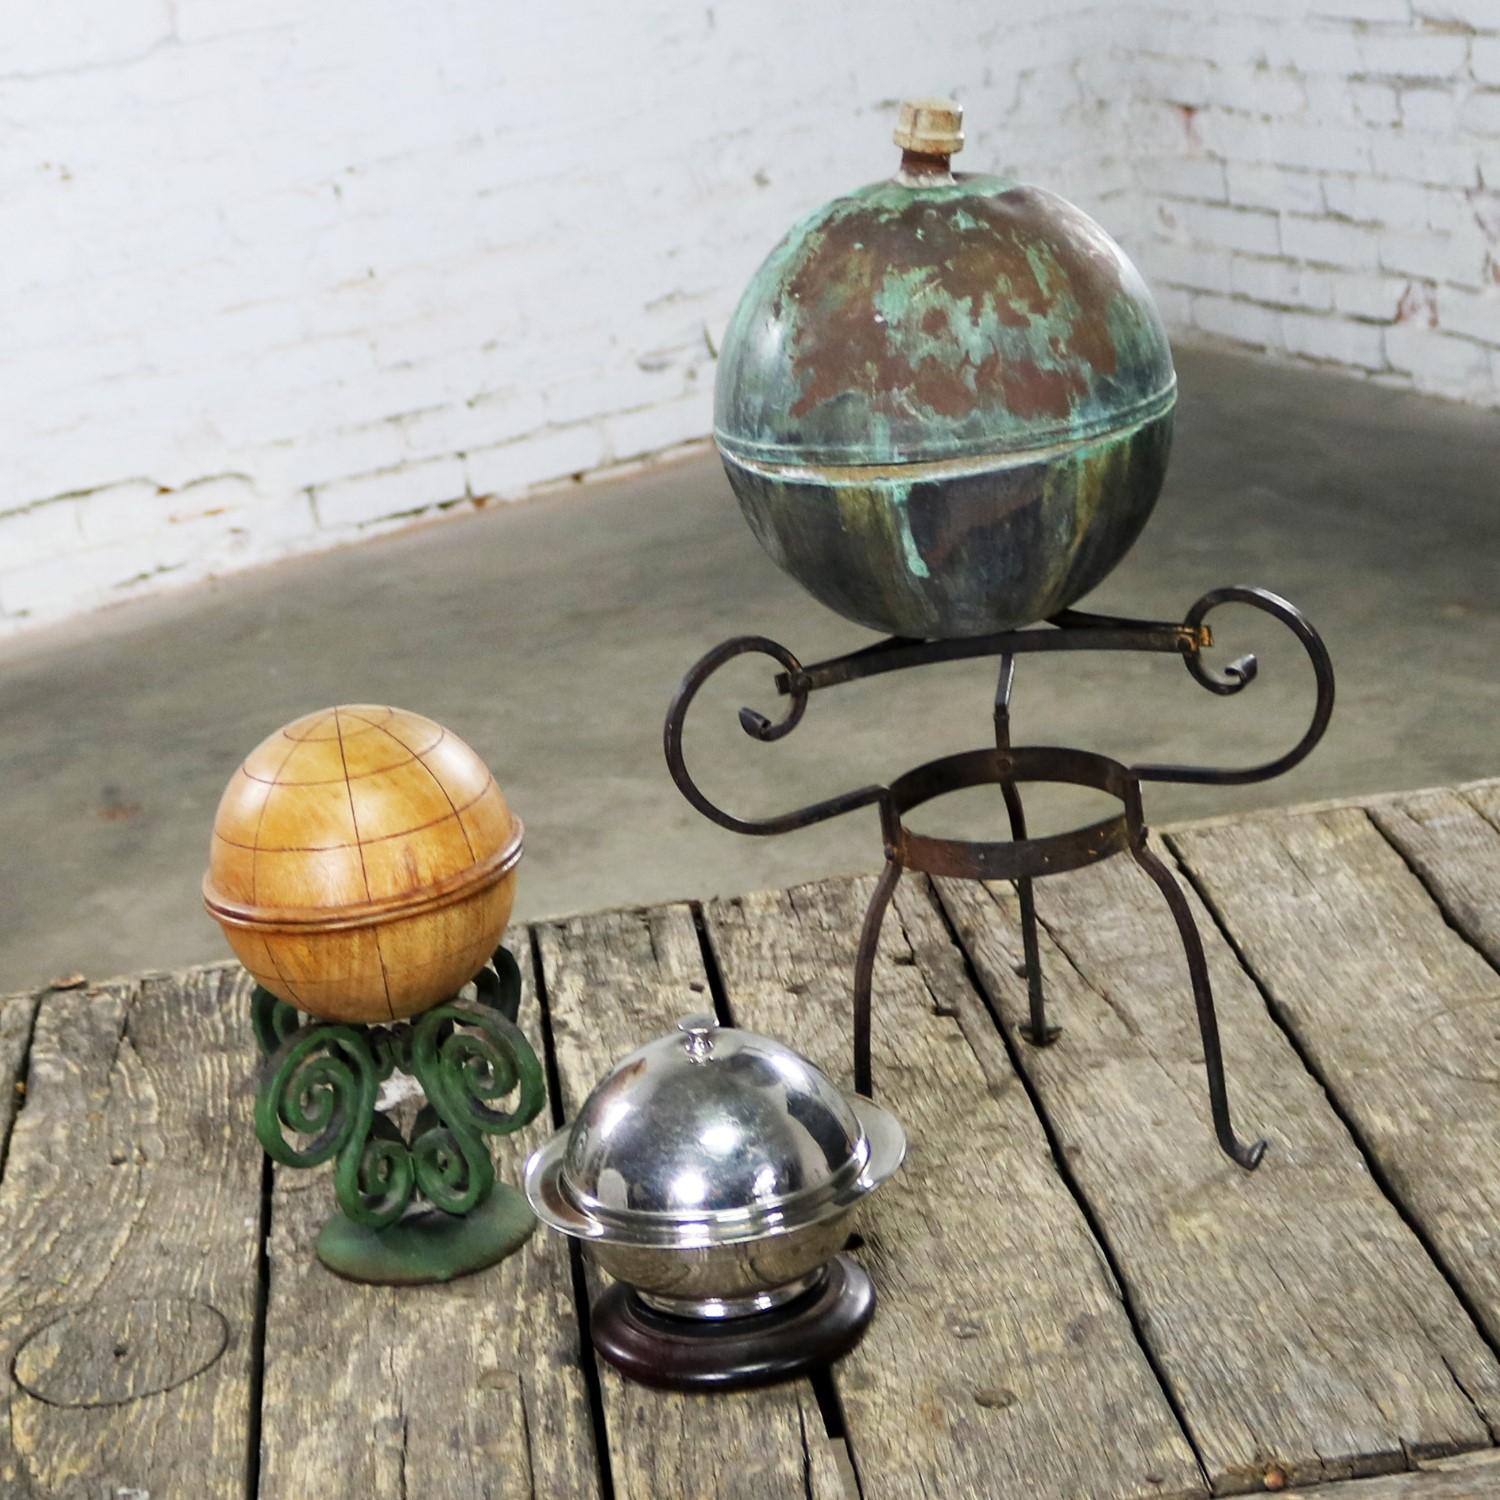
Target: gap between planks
129	1211
1002	1350
1259	1258
824	1389
1469	1476
471	1390
588	1358
17	1024
1375	950
615	980
1371	1156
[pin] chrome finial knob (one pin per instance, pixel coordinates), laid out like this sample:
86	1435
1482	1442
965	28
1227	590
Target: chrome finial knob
699	1031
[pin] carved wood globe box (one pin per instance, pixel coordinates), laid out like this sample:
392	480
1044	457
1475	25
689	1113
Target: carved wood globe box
363	868
363	864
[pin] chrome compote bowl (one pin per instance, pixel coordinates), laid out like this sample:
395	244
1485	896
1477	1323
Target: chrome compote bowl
715	1171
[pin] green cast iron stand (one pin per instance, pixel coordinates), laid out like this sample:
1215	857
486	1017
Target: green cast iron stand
419	1209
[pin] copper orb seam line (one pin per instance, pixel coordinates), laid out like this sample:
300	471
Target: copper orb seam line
800	464
364	875
379	838
779	457
437	781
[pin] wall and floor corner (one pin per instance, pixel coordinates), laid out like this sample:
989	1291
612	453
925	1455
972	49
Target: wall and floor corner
1321	179
276	278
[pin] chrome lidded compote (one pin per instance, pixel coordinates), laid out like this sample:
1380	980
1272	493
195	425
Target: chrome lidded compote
715	1172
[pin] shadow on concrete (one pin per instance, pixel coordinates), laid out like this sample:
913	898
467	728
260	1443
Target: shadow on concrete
550	636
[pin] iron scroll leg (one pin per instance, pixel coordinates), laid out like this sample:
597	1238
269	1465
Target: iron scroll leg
1248	1157
1036	1030
864	972
1069	630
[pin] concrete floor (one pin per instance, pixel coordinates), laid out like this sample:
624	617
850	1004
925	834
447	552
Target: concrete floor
550	635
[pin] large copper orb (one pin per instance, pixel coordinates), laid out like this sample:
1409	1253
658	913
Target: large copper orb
363	863
945	401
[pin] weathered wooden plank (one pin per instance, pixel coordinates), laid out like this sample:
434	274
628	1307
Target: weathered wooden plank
1396	1012
470	1391
1471	1476
1364	800
129	1215
1299	1322
1001	1360
1452	840
16	1015
614	981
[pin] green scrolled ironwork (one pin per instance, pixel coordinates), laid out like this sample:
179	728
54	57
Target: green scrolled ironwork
321	1079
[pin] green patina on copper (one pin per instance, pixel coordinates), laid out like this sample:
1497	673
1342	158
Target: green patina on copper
991	339
971	317
1014	543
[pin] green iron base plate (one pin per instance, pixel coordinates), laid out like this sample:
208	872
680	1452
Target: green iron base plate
429	1245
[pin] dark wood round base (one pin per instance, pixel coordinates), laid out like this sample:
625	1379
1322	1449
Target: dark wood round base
692	1354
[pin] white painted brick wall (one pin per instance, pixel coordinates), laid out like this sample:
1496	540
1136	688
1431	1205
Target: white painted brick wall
1370	131
279	275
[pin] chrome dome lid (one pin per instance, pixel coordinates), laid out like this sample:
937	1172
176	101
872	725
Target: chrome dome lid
708	1136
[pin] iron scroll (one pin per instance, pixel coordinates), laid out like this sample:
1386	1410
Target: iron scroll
1021	858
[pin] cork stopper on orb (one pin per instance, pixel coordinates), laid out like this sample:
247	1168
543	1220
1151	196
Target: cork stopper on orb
930	127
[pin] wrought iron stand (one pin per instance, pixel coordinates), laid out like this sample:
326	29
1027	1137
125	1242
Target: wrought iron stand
322	1079
1021	859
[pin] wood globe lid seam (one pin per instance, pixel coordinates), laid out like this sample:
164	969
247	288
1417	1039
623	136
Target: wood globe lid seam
446	892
